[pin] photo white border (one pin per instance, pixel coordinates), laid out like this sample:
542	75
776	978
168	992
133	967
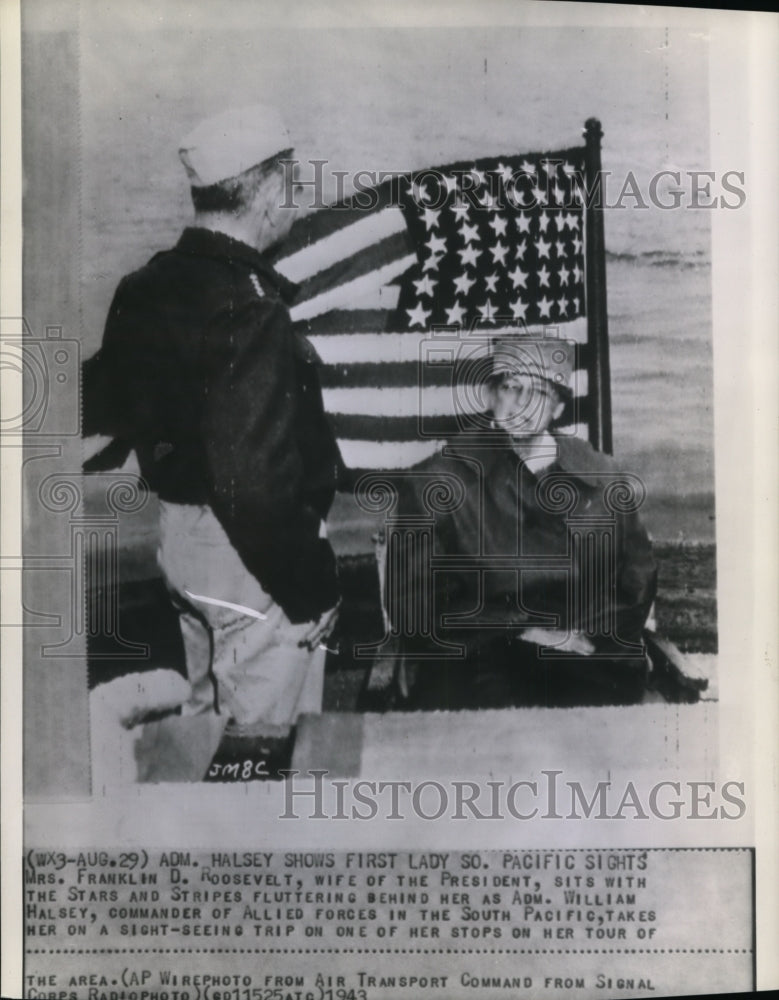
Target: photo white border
11	814
743	85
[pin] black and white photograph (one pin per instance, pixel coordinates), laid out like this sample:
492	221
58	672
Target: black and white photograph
425	282
389	484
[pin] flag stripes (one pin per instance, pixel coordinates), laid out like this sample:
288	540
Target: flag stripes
397	374
360	232
354	291
428	397
371	259
421	347
324	222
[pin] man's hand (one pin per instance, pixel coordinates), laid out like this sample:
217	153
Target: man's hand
566	642
320	629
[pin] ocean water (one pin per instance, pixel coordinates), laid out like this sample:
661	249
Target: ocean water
386	99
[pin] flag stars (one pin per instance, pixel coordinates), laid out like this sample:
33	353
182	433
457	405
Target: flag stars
469	233
425	285
499	252
463	282
470	255
518	308
505	172
421	193
436	245
518	277
543	247
459	208
455	314
418	315
488	310
492	258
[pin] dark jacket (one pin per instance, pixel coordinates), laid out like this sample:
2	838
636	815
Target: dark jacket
524	549
201	372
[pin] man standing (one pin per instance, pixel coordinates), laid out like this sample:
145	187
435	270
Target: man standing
222	404
539	570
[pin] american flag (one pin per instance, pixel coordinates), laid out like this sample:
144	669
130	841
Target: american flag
404	287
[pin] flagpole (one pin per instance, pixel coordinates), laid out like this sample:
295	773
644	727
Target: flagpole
599	419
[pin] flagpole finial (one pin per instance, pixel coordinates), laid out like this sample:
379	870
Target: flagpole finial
592	128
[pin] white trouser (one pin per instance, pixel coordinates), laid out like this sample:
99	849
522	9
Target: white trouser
236	638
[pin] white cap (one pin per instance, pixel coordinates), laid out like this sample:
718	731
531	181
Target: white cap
227	144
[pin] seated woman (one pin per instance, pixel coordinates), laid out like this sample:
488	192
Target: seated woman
535	579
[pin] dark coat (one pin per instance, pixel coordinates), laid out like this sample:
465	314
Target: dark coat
201	373
549	521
